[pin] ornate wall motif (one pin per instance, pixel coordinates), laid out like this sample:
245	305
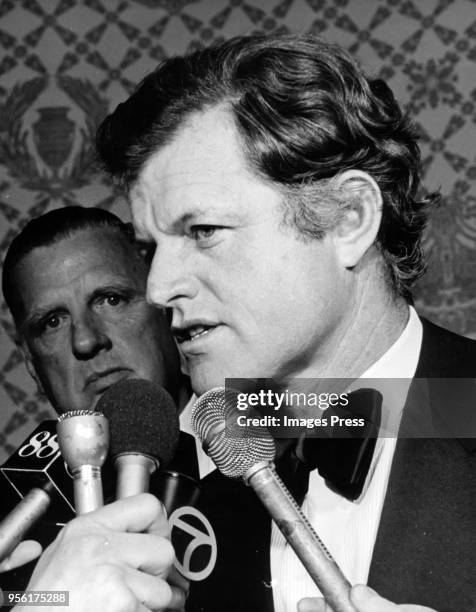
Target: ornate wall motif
64	63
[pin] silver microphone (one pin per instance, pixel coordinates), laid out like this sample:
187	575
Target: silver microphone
21	519
83	438
249	453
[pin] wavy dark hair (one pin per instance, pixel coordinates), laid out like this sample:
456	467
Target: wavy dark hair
305	112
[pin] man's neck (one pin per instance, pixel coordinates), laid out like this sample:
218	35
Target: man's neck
377	319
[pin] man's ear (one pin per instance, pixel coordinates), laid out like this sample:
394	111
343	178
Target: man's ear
359	225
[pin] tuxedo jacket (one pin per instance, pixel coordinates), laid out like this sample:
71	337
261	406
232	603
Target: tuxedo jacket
425	550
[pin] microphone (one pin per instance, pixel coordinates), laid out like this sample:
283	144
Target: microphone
21	519
144	432
247	453
150	453
83	438
179	484
36	474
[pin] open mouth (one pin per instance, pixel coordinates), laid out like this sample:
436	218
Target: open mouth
192	332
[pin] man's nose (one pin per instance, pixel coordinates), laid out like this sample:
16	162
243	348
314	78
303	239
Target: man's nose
171	277
89	336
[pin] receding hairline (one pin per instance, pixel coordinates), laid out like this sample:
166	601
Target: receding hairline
99	230
191	121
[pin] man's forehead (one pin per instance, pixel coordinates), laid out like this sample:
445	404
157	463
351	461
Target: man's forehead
198	171
205	148
97	255
106	246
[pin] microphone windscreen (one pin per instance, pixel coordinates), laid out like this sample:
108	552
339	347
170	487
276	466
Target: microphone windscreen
142	418
233	448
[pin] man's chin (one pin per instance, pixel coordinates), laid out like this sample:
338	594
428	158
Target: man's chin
105	386
202	382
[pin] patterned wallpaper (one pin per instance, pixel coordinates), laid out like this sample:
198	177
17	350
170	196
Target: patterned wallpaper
64	63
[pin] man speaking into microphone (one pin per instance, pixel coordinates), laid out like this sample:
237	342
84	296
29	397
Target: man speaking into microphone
75	284
281	187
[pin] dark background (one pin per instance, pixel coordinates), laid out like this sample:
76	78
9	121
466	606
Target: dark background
65	63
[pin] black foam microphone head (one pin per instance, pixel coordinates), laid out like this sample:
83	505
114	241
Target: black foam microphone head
142	418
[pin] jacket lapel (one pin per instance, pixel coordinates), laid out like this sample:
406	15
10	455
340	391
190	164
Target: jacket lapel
241	580
424	551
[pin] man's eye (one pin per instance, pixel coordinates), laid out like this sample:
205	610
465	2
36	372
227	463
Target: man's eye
108	301
203	232
51	322
48	324
114	300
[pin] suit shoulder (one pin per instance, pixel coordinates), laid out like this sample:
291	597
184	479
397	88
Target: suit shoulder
445	354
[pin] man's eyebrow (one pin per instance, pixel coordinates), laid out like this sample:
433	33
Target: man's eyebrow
184	219
177	225
197	213
128	289
39	313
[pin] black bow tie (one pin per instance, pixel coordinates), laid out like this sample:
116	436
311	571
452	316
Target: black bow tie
341	454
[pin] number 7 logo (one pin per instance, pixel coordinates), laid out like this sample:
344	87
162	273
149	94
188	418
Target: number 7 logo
183	524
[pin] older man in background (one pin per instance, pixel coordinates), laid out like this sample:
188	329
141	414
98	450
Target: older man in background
75	285
74	281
